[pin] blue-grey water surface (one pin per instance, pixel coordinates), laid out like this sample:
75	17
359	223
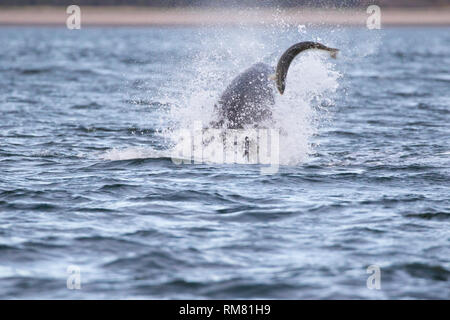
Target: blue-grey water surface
374	190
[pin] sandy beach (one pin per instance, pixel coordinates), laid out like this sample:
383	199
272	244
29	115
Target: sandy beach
141	16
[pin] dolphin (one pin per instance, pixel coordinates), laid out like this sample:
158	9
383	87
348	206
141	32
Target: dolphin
249	98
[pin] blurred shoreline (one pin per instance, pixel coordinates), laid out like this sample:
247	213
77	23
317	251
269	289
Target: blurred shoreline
146	16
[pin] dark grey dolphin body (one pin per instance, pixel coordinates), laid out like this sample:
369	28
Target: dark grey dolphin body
248	100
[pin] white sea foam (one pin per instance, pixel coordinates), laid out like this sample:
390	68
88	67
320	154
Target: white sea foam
134	153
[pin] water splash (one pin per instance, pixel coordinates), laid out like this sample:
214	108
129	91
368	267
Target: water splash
220	55
311	83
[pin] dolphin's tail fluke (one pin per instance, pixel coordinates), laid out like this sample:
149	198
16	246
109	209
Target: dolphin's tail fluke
285	60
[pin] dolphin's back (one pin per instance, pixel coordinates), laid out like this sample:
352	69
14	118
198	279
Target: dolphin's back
249	97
